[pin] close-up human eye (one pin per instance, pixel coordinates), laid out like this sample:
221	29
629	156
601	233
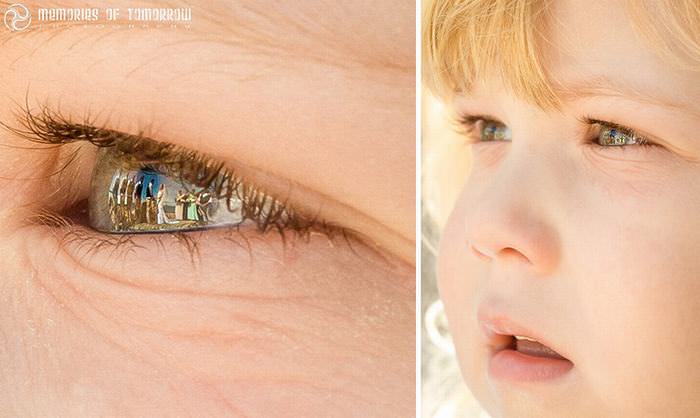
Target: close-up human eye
479	128
196	221
608	134
139	185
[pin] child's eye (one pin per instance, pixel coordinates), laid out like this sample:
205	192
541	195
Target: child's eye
609	134
605	134
141	185
484	129
495	131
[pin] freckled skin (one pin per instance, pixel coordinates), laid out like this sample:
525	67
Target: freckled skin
595	249
250	325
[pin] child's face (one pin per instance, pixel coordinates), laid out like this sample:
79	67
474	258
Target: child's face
595	250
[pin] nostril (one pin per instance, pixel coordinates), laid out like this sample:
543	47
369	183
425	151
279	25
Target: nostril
506	253
480	254
512	253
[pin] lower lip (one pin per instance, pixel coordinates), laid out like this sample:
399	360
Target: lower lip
515	366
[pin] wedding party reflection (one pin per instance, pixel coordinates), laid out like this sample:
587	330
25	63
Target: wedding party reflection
146	200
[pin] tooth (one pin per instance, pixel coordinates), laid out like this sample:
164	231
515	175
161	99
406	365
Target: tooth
520	337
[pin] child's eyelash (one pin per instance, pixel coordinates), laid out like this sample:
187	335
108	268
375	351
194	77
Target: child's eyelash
467	124
266	212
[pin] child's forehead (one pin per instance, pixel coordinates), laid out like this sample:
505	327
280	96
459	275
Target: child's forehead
578	45
596	50
594	41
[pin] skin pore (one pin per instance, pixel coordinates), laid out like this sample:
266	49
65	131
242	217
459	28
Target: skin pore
312	101
595	249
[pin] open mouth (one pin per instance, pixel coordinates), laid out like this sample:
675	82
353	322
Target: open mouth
525	359
518	354
530	347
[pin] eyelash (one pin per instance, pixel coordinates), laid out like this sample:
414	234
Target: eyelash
50	128
468	127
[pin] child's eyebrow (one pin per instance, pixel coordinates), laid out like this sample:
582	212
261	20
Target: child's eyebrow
601	86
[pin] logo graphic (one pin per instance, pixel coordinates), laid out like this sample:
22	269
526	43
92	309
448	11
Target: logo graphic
17	17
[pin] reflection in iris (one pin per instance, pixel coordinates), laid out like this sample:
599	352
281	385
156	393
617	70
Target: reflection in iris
146	200
138	197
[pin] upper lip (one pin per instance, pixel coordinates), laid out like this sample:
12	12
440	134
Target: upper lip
499	330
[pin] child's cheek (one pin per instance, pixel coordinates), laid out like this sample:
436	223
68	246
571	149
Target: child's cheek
638	288
456	281
630	172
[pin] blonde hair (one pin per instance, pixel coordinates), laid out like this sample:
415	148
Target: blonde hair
672	27
463	40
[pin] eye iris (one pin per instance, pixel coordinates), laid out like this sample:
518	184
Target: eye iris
615	137
493	131
131	197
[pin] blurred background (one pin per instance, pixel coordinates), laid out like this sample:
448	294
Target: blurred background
445	163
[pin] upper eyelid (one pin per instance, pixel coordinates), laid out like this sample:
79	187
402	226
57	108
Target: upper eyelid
144	149
466	123
593	121
473	118
51	128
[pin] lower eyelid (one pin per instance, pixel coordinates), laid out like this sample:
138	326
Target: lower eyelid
631	160
487	154
239	243
107	280
84	241
647	150
141	254
223	256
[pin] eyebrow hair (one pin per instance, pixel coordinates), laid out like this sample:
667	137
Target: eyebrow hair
602	86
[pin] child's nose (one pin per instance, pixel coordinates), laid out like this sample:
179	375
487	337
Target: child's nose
510	220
